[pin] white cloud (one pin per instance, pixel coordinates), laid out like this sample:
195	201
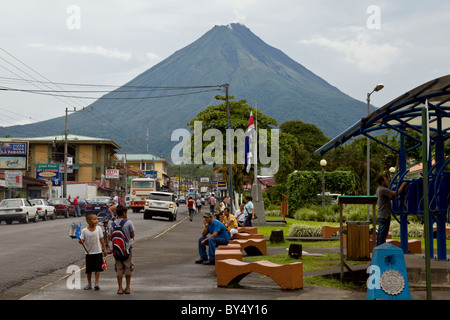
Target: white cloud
152	56
83	49
369	57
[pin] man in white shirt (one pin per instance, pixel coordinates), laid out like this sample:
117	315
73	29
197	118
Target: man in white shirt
240	215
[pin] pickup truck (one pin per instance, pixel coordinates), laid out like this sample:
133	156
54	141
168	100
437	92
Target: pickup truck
19	209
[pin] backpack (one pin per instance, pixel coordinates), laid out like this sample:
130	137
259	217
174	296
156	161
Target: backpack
120	244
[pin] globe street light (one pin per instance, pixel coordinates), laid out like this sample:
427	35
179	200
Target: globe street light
323	163
376	89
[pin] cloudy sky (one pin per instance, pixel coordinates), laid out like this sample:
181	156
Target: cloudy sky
352	44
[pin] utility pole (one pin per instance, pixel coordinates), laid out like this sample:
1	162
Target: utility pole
66	147
230	159
126	169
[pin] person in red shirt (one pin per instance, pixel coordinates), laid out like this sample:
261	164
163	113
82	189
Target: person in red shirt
77	206
190	205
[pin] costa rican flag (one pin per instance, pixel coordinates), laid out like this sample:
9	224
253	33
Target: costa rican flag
248	155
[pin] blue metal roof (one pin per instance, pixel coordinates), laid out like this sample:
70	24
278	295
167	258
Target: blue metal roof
404	112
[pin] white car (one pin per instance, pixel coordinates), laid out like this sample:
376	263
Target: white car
19	209
44	209
162	204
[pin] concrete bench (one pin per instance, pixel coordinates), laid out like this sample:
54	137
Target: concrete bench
328	231
247	236
232	271
414	245
447	230
229	246
222	254
253	247
251	230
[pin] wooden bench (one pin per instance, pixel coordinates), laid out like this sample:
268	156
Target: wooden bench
232	271
251	230
253	247
414	245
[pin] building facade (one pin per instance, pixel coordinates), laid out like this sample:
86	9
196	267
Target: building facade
88	160
149	164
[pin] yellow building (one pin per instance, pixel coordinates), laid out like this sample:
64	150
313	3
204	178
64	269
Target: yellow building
90	158
148	162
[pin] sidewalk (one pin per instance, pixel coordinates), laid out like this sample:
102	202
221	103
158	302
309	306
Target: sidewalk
165	270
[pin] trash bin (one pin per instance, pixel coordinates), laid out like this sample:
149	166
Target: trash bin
358	244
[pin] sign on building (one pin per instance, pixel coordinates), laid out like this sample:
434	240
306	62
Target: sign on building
112	174
13	179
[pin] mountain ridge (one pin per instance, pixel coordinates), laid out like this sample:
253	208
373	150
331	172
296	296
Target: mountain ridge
263	75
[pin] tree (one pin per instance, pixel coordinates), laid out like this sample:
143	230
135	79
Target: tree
215	117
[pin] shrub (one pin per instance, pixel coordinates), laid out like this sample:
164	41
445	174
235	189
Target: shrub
303	230
415	230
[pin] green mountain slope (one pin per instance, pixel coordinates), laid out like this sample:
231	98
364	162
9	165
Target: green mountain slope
257	72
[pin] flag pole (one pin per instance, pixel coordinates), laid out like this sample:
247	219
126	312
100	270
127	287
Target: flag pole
230	162
256	151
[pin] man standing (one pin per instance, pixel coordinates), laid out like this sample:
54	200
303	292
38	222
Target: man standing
212	203
218	235
77	206
249	212
384	195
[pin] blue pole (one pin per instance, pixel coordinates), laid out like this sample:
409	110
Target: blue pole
403	216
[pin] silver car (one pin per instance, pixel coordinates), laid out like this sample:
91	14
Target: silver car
44	209
19	209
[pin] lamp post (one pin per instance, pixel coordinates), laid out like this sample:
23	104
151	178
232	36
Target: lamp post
323	164
376	89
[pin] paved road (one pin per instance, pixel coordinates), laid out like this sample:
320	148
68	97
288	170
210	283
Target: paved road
35	249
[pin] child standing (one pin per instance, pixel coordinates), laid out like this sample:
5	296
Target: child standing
92	238
123	267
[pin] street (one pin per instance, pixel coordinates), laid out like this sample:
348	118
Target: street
36	249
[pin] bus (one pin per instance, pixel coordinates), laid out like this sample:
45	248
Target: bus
139	190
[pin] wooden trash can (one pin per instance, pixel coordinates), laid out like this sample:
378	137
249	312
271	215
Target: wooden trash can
358	244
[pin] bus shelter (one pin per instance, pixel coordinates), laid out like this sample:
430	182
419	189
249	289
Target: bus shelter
401	115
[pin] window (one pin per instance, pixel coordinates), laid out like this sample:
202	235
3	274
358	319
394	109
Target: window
143	184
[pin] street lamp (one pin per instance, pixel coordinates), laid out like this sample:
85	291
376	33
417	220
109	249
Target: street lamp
376	89
323	163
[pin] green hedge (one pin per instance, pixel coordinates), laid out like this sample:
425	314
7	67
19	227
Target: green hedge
303	186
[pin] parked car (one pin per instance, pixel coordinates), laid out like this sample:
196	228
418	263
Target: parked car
19	209
181	199
162	204
97	204
63	207
44	209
